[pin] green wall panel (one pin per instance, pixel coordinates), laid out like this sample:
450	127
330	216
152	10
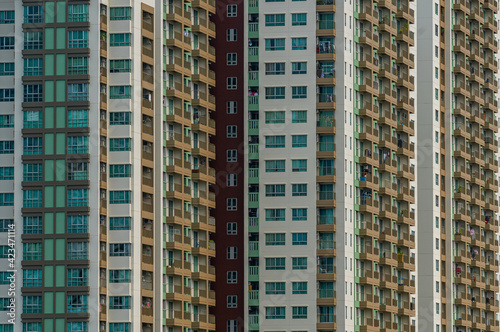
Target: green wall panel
60	306
60	223
49	38
60	202
48	303
48	222
49	117
60	249
48	325
48	276
61	11
60	38
60	91
49	197
49	143
48	249
60	111
60	143
49	170
60	64
60	170
49	91
60	276
49	12
49	64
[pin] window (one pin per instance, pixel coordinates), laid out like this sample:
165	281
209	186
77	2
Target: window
120	197
275	141
299	19
299	92
78	118
119	249
275	93
119	118
119	66
299	214
299	239
6	224
275	312
32	251
231	204
7	17
299	312
275	239
78	327
231	228
231	35
232	326
231	156
32	172
6	95
275	214
32	327
275	263
231	58
299	43
299	116
231	180
78	39
120	13
32	119
275	190
78	250
119	327
6	68
275	68
33	14
78	91
119	39
33	40
119	302
32	304
232	277
4	252
77	144
120	223
120	144
32	278
78	277
299	189
231	252
32	224
6	173
232	301
119	276
231	83
275	20
78	13
299	287
232	11
119	92
7	43
299	263
32	145
299	165
78	197
77	65
5	280
33	93
299	141
6	199
437	286
119	171
275	117
7	121
273	288
273	166
78	224
32	198
231	131
231	107
275	44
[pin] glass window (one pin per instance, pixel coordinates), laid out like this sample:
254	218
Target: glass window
299	141
32	145
5	279
299	287
275	20
119	92
78	327
78	170
78	118
275	312
7	43
275	117
299	263
275	68
120	13
275	239
78	39
7	68
119	276
275	263
275	44
275	141
33	67
120	144
299	19
32	251
32	119
33	93
275	93
32	304
32	198
32	278
78	277
299	165
275	166
275	214
231	59
32	172
77	303
4	252
78	13
77	144
231	11
120	223
119	39
33	40
6	199
119	327
299	68
7	16
275	190
120	197
119	249
119	118
6	147
78	65
119	66
78	250
273	288
6	95
33	14
6	173
119	302
299	189
299	116
32	224
299	239
299	214
6	120
32	327
78	197
78	224
78	91
299	92
119	171
299	43
299	312
6	224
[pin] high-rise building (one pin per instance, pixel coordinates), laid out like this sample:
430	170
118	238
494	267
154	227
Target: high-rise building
458	166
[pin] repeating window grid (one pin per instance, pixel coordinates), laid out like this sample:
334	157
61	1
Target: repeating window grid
232	10
299	263
6	95
275	166
120	223
32	145
32	224
275	288
275	20
275	117
32	93
78	171
32	119
275	92
33	14
275	141
32	198
5	278
32	304
7	68
299	214
299	165
6	173
231	107
32	172
119	302
299	189
231	131
78	39
78	250
4	252
299	92
78	224
6	224
7	43
119	92
119	276
275	68
6	199
275	214
119	39
119	118
275	44
299	287
32	278
275	190
232	277
33	40
299	239
231	83
78	197
232	301
120	171
10	327
299	312
78	65
7	121
299	68
275	239
77	144
32	327
78	13
231	156
78	92
119	249
119	327
231	253
231	35
299	141
231	204
299	116
77	326
299	19
120	13
275	263
299	43
120	197
78	277
77	303
120	66
275	312
231	180
231	59
7	17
